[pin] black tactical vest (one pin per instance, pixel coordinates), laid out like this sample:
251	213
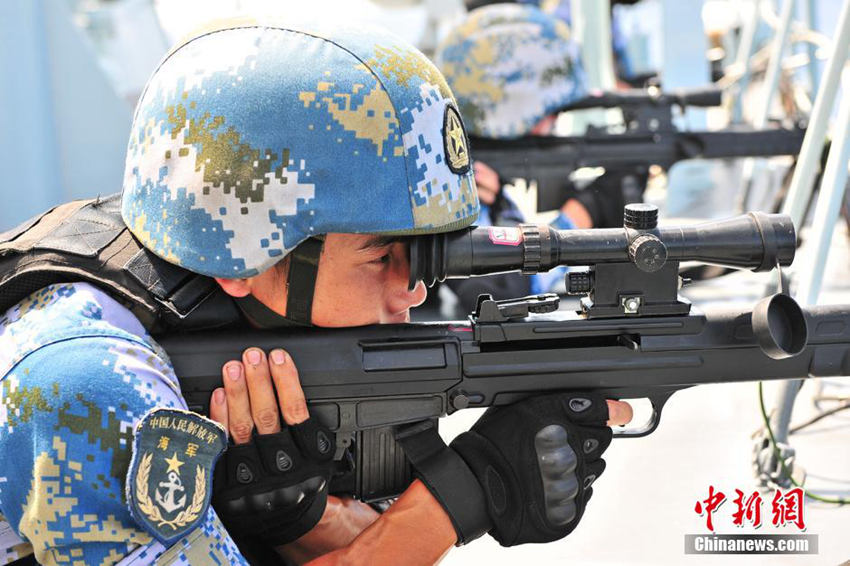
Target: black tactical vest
88	241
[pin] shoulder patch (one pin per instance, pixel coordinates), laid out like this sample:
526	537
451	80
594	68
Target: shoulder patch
455	141
170	479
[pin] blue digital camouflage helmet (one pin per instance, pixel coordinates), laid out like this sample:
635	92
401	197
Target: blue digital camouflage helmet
251	137
510	65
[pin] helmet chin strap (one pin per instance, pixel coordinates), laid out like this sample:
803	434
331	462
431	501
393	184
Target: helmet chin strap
301	285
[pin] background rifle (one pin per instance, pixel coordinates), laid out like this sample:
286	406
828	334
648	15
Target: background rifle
650	138
633	338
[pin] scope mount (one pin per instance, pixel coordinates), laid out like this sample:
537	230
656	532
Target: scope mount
646	285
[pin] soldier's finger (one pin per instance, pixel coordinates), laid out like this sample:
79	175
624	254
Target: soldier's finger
293	404
485	176
239	420
619	413
218	407
486	195
264	409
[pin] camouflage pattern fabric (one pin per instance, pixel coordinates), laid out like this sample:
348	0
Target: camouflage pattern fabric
509	66
562	9
251	137
77	373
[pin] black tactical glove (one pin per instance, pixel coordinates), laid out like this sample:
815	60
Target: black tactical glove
275	488
536	461
532	463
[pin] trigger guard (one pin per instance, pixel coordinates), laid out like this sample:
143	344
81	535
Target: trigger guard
649	427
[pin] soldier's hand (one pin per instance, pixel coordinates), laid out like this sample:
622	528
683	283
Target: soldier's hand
523	472
248	401
487	181
536	461
272	483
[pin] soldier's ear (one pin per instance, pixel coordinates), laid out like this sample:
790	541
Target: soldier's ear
234	287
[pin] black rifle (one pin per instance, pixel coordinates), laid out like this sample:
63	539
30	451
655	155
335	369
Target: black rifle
649	137
633	338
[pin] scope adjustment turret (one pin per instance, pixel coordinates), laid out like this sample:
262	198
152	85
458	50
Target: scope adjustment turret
648	253
640	216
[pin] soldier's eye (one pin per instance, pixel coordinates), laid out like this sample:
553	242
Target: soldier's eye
382	260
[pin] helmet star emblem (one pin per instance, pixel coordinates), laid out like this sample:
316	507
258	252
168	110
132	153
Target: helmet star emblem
456	134
456	152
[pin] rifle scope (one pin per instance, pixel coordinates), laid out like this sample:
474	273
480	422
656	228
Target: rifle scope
704	97
756	240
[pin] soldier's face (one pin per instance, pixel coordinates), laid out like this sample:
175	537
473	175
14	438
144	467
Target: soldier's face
361	280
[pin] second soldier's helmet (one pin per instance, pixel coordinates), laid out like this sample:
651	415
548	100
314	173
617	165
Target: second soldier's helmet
251	137
510	65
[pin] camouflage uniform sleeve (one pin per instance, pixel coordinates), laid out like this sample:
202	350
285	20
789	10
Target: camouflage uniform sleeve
11	546
68	415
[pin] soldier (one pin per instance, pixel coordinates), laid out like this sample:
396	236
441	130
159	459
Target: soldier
513	67
272	174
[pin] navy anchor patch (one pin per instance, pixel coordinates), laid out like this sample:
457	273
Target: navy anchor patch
170	479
